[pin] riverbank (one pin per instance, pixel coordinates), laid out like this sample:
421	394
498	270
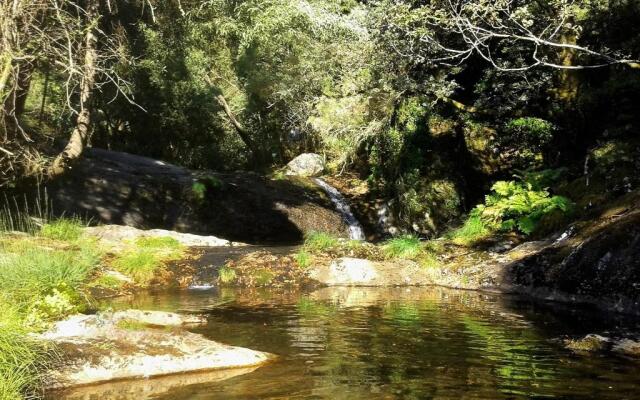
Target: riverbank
592	260
55	269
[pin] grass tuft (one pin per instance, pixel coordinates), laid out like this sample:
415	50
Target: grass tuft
473	231
303	259
226	274
319	241
67	230
406	247
146	256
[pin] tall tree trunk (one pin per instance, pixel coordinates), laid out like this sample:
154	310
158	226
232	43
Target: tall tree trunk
80	134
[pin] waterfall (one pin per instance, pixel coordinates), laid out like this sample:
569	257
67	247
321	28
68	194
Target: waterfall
355	229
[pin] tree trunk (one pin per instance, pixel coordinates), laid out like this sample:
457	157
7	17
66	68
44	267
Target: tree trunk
80	134
242	132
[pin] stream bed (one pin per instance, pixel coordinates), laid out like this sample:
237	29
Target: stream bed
399	343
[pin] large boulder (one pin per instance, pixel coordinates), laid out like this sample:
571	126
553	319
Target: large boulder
137	344
307	164
124	189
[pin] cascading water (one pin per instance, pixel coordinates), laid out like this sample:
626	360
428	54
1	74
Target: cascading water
355	229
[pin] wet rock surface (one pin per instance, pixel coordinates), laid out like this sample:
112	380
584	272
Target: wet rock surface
136	344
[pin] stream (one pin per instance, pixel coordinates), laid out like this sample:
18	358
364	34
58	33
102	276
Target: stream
388	343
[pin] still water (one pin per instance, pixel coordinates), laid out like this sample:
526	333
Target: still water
418	343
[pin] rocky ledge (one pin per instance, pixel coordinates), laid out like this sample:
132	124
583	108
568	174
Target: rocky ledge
137	344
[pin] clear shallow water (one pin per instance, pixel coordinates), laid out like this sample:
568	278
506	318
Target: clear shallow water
418	343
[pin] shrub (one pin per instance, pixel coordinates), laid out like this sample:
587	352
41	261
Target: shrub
319	241
531	131
514	206
63	229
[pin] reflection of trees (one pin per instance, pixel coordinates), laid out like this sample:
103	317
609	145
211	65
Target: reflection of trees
438	345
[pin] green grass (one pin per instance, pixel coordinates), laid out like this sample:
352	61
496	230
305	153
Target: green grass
303	259
319	241
406	247
67	230
473	231
28	270
227	274
144	257
22	359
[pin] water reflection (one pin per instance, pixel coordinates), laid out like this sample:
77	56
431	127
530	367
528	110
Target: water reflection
418	343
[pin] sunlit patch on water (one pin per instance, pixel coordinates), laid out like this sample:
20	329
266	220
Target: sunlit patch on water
429	343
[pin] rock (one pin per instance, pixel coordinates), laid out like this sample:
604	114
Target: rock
114	235
128	345
627	347
307	164
115	188
359	272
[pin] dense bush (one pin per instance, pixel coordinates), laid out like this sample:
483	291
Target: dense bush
518	205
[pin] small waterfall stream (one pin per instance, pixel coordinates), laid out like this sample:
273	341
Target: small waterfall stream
355	229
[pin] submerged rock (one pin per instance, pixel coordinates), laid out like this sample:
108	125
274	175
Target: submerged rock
137	344
307	164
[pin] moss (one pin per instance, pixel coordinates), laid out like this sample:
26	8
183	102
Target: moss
107	282
263	277
132	325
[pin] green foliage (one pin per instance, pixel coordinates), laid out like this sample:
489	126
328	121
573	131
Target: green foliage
227	274
303	259
516	205
63	229
315	242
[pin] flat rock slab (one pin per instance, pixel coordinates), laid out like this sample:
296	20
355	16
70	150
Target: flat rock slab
115	235
359	272
137	344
